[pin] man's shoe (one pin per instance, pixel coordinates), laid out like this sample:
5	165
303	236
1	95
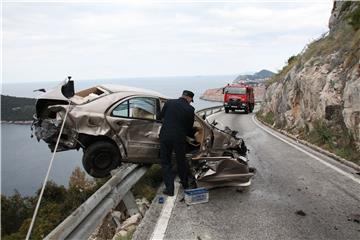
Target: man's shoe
166	192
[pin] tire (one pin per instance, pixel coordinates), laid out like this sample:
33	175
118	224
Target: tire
226	110
100	158
247	109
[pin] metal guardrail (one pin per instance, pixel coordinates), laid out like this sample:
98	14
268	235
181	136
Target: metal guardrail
208	111
84	220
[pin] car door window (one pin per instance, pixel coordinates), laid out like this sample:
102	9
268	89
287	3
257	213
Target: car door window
122	110
144	108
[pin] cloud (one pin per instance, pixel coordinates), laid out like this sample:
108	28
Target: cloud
138	39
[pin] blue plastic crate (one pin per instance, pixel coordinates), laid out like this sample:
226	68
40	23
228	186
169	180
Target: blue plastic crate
197	195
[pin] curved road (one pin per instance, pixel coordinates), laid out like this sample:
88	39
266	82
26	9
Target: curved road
289	178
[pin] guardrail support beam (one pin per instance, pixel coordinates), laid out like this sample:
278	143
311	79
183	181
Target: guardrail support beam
130	203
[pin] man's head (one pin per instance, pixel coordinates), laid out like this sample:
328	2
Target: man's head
188	95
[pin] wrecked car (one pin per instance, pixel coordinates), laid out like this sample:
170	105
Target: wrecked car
114	124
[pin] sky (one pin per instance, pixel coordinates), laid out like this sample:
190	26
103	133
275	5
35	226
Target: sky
46	41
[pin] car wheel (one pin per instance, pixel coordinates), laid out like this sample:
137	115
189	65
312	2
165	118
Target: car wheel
226	110
100	158
247	109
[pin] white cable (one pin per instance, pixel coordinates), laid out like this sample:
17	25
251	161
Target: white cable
47	176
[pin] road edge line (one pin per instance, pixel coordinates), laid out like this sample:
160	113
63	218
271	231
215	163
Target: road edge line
314	147
163	220
309	154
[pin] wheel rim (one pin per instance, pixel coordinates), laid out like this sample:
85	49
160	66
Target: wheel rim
102	160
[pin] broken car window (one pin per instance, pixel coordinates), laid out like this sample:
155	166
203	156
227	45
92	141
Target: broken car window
143	108
121	110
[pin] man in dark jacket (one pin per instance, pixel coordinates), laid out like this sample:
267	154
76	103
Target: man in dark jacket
178	120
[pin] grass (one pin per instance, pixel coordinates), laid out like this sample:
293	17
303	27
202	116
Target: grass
337	140
149	183
128	236
269	117
334	139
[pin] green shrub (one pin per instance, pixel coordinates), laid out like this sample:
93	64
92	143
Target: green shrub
128	236
353	18
320	133
269	117
148	184
334	139
57	203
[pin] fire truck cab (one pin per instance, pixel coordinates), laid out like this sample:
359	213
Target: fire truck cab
238	97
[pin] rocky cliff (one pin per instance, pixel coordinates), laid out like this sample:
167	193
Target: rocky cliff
317	94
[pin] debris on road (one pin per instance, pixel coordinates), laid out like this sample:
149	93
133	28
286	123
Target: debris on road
195	196
300	213
354	218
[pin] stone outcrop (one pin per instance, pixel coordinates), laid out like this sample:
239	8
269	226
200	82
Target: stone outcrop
322	83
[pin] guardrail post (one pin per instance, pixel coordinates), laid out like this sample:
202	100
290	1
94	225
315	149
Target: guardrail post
130	203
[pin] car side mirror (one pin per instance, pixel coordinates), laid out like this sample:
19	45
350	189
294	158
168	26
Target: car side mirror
204	116
68	89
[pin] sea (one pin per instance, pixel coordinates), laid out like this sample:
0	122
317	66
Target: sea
24	160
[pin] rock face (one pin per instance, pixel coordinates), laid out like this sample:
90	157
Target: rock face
323	83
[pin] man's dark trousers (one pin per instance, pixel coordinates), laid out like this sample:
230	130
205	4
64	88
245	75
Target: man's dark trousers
166	148
178	119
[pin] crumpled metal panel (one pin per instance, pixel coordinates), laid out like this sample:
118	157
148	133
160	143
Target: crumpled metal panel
225	172
47	129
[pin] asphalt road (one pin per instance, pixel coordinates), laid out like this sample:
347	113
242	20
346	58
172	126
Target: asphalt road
287	180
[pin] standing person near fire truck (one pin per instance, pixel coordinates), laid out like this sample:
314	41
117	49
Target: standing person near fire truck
178	120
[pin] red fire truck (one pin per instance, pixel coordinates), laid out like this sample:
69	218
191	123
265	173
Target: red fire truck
238	96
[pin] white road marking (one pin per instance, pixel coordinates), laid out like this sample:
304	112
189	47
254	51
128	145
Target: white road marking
163	221
309	154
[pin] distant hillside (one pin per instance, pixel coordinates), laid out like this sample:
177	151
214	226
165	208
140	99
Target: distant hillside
261	75
17	108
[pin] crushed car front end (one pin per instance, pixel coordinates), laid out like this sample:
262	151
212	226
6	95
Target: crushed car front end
222	160
51	110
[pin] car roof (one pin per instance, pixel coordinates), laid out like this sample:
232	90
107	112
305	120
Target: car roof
120	88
